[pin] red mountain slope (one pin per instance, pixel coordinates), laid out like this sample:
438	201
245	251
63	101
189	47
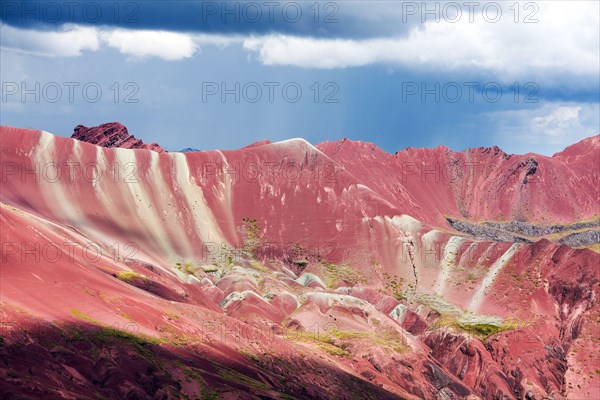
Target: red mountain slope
284	270
479	184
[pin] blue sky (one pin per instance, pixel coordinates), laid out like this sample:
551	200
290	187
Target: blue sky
521	75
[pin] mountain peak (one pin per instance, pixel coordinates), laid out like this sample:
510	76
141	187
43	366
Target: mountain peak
348	145
584	146
112	134
257	144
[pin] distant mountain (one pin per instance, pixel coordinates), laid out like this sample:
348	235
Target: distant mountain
187	150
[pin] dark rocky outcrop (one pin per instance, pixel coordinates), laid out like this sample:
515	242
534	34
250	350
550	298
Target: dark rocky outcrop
112	134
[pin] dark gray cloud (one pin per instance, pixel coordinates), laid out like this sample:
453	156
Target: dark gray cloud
346	19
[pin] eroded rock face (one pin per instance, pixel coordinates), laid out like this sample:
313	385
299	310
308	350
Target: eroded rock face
469	360
112	134
336	292
408	319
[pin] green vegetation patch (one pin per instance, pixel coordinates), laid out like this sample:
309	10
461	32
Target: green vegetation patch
333	274
84	317
139	342
394	285
480	326
481	330
251	236
338	342
107	335
238	377
128	276
334	350
187	268
484	330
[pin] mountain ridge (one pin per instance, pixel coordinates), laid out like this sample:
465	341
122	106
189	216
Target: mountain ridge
115	134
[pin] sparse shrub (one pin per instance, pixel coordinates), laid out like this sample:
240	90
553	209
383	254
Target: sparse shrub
250	232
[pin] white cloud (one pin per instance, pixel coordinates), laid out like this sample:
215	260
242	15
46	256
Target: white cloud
564	40
217	40
549	128
71	41
146	43
558	121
